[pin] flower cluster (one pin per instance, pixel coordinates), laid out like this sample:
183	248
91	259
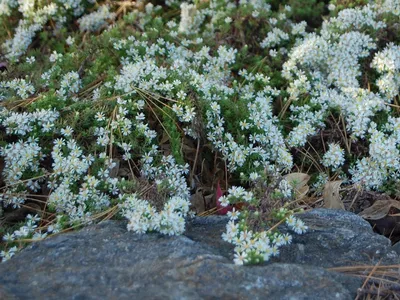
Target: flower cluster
326	68
19	157
334	157
28	230
70	84
24	123
95	20
36	16
109	124
387	63
26	31
70	166
171	219
20	87
255	246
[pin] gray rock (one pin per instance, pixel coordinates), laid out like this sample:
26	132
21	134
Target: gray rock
106	261
337	238
396	248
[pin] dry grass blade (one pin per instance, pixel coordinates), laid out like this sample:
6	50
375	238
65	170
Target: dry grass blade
209	212
380	281
366	279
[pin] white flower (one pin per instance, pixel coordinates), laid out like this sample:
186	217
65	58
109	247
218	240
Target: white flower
240	258
224	201
30	60
8	237
234	215
70	40
67	131
55	56
273	53
100	116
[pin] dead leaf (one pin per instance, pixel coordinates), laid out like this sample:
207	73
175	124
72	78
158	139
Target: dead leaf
298	182
331	195
165	138
3	66
379	209
209	201
302	192
197	201
113	172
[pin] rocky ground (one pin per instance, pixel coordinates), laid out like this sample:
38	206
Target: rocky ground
105	261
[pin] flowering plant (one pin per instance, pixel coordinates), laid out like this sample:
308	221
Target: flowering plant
113	108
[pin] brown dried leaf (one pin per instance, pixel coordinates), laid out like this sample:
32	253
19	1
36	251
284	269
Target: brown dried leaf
302	192
210	201
197	201
331	195
379	209
298	181
164	139
114	171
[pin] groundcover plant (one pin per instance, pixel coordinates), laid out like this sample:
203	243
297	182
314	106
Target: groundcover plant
125	108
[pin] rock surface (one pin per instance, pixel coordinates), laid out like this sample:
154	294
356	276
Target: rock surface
397	248
105	261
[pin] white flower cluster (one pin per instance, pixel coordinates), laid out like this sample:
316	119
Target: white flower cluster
55	56
333	60
70	166
389	6
143	217
334	157
74	5
360	106
22	88
6	6
95	20
188	12
326	69
29	230
26	7
24	123
185	114
319	184
285	189
267	143
26	31
365	16
387	63
7	254
252	246
70	84
20	157
34	20
170	220
274	38
384	160
299	28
